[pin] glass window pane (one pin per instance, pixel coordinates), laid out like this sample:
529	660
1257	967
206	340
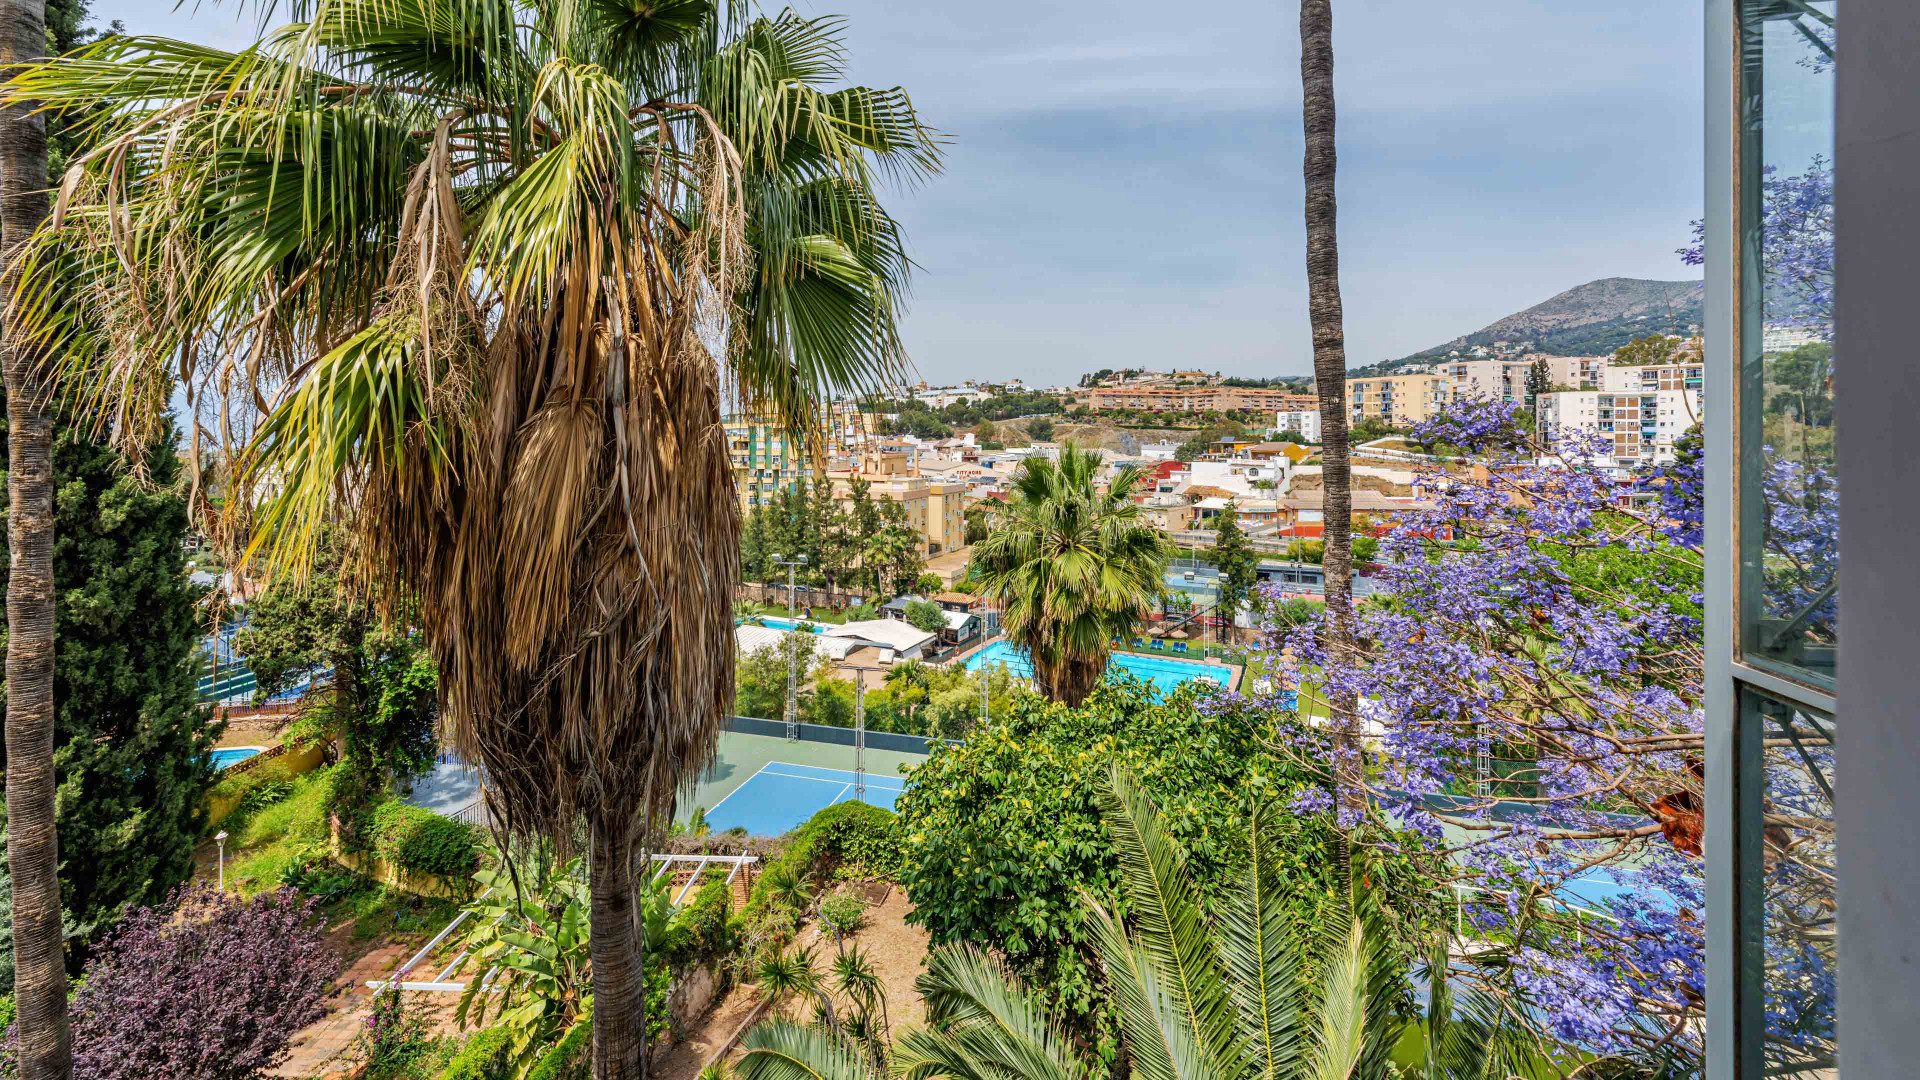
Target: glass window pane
1788	497
1794	951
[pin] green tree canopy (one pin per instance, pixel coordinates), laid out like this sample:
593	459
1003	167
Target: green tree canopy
1005	833
926	615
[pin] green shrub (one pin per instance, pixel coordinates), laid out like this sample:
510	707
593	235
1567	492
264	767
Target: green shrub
843	912
570	1059
704	930
419	839
867	837
313	873
301	814
485	1057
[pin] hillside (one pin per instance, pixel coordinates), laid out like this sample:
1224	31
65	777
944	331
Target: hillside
1587	320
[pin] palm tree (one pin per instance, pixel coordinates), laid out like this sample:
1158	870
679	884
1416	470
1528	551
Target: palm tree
33	858
1329	366
1200	997
1072	567
474	278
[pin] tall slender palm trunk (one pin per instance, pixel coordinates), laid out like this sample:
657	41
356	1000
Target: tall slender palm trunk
1329	366
33	856
619	988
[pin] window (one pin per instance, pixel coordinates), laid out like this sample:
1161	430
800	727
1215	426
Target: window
1772	529
1788	497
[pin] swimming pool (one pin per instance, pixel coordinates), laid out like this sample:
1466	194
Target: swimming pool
229	755
1165	675
788	624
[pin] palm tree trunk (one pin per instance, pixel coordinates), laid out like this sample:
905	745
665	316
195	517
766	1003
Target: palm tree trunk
1329	367
33	857
619	991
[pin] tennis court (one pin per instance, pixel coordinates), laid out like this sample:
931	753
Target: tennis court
783	794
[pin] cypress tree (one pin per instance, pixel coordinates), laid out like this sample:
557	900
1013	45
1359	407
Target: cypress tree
131	743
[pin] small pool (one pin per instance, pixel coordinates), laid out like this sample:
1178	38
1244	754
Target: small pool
229	755
1166	675
788	624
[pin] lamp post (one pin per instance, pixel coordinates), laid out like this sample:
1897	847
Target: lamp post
220	838
793	651
780	560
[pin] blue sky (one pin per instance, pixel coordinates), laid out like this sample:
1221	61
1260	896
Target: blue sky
1123	186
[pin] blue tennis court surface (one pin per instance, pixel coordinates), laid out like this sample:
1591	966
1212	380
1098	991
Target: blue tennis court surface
782	796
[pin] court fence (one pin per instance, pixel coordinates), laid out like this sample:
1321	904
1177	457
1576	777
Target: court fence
837	736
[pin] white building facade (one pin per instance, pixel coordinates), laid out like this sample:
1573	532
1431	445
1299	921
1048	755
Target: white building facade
1304	421
1641	425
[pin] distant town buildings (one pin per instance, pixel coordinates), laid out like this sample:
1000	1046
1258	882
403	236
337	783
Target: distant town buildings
1196	398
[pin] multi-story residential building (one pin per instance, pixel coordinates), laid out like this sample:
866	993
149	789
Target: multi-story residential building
1196	398
936	507
1263	399
1641	424
1574	372
1157	398
1683	375
1306	421
1399	400
765	460
1491	380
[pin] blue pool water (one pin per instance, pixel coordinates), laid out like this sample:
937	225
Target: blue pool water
788	624
231	754
1165	675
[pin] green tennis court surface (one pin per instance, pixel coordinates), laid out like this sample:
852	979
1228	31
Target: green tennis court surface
795	780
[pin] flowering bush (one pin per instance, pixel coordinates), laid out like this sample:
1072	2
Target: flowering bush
208	985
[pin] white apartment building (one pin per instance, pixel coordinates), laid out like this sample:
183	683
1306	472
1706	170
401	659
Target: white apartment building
1642	425
1685	375
1304	421
1492	380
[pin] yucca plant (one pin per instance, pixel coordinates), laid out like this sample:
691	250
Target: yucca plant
476	279
1073	565
1224	994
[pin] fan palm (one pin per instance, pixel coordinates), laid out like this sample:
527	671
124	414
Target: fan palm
1224	997
1072	567
476	278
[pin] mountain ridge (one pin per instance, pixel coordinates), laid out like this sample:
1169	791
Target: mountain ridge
1592	319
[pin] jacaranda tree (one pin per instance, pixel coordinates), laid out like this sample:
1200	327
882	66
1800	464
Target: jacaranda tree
474	280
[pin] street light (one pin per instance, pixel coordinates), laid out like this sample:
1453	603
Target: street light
220	838
781	560
793	650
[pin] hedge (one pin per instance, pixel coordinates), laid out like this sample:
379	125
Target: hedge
485	1057
570	1059
854	832
419	839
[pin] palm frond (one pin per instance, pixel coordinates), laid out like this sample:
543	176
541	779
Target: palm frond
982	1023
779	1049
1257	946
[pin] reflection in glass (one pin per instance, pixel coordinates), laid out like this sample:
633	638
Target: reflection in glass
1796	899
1790	500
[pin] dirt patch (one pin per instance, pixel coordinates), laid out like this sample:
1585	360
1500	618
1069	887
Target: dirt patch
708	1034
898	951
